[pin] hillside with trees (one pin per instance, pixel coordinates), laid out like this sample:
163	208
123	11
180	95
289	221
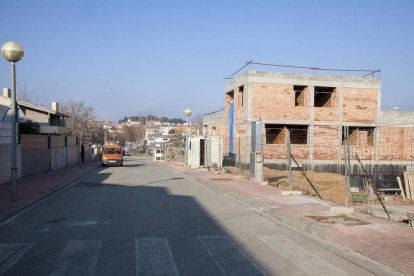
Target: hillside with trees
148	118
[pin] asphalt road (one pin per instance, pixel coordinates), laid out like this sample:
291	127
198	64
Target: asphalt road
148	219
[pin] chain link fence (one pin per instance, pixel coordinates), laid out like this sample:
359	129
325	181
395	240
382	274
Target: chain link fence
371	169
175	150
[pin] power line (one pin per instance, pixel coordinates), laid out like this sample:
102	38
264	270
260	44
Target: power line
369	71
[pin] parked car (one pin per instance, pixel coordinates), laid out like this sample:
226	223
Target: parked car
112	156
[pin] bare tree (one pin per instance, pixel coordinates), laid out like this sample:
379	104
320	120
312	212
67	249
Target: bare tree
22	92
80	119
134	133
197	119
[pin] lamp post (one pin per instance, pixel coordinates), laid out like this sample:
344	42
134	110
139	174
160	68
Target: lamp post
13	52
105	127
187	113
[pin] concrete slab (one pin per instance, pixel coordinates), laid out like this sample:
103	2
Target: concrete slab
342	210
290	193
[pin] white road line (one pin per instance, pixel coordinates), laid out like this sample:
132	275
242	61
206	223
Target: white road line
10	254
154	257
300	257
78	258
229	258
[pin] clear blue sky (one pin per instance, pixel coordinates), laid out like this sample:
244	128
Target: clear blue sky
131	57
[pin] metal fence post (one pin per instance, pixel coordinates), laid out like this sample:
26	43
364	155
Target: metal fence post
347	167
289	160
239	159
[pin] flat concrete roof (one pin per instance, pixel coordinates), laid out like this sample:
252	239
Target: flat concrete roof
303	79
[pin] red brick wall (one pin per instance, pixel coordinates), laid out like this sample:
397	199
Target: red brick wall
277	101
396	143
327	142
328	114
240	135
360	105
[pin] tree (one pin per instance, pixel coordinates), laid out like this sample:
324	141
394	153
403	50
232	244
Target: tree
198	120
133	133
97	133
164	120
80	119
22	92
177	121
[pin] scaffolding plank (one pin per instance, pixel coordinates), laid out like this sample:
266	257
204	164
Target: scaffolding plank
401	188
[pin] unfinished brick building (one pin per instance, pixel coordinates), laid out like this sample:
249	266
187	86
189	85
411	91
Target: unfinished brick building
318	112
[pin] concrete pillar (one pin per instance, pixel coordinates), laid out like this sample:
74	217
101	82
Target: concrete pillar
6	92
340	92
311	91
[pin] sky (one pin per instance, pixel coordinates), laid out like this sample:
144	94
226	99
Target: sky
127	58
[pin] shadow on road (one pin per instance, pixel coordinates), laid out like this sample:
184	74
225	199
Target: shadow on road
127	218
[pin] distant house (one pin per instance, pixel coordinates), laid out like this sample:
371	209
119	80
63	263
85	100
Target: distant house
190	129
35	153
158	143
51	120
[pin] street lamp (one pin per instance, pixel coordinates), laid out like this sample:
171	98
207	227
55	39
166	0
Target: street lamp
187	113
13	52
105	127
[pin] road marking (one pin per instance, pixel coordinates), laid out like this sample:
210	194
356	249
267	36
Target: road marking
299	256
154	257
229	258
78	258
10	254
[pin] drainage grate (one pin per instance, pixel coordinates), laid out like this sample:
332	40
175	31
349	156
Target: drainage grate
342	219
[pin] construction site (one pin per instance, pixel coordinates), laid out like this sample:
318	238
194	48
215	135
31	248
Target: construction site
321	134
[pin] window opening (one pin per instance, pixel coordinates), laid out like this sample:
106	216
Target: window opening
241	97
299	95
298	135
230	96
324	96
359	136
276	134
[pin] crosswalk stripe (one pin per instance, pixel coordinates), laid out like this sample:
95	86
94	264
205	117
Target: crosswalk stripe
10	254
229	258
310	263
78	258
154	257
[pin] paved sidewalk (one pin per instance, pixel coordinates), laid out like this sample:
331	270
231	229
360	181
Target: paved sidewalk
31	189
385	243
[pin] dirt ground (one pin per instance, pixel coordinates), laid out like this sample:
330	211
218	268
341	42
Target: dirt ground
329	186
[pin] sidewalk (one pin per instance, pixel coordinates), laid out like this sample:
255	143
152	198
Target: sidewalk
31	189
386	244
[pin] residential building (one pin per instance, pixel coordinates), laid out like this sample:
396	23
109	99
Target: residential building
262	108
51	120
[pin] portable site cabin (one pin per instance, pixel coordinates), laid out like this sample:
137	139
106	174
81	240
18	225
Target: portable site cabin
204	151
